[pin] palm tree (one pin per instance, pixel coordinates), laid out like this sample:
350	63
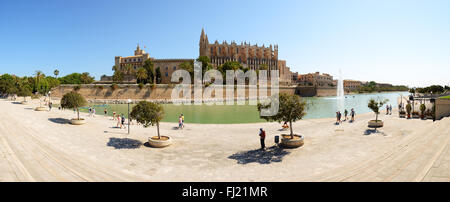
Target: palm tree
39	75
114	68
56	73
148	66
141	74
129	70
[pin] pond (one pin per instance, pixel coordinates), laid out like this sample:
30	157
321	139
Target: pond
318	107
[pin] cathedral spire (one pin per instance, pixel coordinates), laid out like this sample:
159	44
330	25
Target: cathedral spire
203	36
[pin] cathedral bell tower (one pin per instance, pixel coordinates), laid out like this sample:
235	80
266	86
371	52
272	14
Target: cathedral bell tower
203	45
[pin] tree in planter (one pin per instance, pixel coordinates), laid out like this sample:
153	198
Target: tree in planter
73	100
375	106
408	109
291	109
422	110
148	114
23	90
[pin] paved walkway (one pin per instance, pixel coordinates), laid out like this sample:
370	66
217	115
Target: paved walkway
42	146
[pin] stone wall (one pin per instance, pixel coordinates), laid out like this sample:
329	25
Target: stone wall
442	108
160	92
306	91
324	92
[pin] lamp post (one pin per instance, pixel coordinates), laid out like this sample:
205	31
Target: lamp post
129	119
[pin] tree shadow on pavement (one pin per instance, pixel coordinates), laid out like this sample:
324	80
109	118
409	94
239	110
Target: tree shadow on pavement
123	143
373	131
59	120
270	155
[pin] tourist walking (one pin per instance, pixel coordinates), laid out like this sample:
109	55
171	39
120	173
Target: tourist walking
50	106
118	121
337	117
122	122
114	115
390	109
387	109
180	122
345	114
262	138
90	111
93	112
106	111
352	113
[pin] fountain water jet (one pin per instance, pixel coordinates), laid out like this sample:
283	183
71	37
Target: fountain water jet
340	99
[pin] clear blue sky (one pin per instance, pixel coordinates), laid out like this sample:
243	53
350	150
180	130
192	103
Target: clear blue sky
395	41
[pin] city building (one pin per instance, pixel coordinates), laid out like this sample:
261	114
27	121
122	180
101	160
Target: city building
315	79
136	61
352	85
166	66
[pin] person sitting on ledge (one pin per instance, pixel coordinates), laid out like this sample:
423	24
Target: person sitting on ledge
285	125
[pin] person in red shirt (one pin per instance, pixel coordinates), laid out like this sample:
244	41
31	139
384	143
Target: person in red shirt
262	135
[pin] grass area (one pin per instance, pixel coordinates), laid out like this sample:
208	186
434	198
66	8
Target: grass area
446	97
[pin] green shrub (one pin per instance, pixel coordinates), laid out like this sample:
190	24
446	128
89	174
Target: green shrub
408	108
422	108
114	86
77	87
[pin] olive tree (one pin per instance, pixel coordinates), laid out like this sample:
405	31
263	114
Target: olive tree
291	108
23	90
73	100
375	106
148	114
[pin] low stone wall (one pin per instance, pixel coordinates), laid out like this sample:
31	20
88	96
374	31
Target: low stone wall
442	108
306	91
160	93
324	92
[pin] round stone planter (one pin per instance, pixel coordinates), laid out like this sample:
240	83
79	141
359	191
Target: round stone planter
40	109
77	121
159	143
287	142
375	124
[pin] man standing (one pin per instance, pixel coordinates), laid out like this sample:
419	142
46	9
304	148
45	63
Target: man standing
352	113
262	135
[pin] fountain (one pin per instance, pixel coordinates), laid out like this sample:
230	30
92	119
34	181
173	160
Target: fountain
340	93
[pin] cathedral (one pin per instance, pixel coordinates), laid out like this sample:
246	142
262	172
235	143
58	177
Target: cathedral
249	56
